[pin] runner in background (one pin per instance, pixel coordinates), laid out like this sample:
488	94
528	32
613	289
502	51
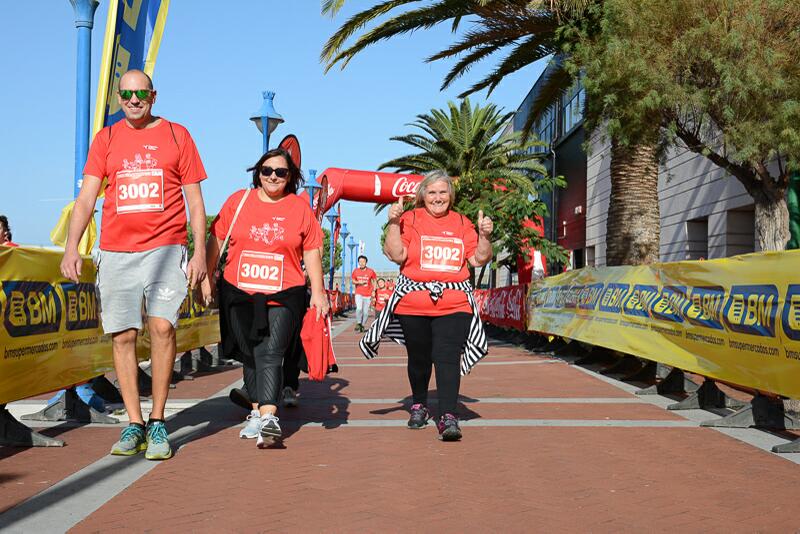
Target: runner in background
433	303
5	233
150	163
262	290
364	279
382	294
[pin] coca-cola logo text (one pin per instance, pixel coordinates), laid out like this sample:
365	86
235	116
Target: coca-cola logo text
404	187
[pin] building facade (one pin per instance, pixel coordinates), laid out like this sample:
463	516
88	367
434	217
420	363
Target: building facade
705	213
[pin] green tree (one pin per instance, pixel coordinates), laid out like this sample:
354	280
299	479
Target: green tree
326	254
209	220
720	76
531	30
499	174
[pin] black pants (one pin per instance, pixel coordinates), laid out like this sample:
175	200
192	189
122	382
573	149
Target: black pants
438	342
264	381
291	362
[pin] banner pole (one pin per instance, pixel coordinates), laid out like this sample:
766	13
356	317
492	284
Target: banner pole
84	21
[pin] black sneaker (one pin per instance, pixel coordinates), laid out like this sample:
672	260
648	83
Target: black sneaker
448	428
419	416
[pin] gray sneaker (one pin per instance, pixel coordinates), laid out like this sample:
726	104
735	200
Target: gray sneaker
268	428
253	426
289	397
157	442
131	441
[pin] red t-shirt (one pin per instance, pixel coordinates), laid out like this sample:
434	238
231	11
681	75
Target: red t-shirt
438	250
143	207
267	242
381	296
9	244
364	275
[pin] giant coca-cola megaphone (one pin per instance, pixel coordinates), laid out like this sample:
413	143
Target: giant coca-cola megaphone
364	186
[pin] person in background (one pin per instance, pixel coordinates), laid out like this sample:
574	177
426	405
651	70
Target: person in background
382	294
5	233
364	280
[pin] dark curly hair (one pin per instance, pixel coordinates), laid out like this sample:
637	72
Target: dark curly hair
6	227
295	181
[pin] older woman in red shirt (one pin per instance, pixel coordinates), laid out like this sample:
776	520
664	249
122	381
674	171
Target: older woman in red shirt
434	247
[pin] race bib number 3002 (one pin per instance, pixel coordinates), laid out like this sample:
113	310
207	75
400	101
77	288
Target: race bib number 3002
442	254
260	271
140	191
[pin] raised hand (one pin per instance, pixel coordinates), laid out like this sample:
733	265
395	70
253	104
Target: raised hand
396	209
485	225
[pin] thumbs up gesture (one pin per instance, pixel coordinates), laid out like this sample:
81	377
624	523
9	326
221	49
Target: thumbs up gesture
396	209
485	225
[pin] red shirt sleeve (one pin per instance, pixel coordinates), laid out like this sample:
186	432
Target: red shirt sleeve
312	232
190	166
98	153
223	219
406	227
372	275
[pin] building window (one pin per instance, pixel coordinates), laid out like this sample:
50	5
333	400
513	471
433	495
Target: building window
697	239
545	129
572	107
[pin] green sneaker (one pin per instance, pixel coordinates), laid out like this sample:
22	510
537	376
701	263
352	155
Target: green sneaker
157	442
131	441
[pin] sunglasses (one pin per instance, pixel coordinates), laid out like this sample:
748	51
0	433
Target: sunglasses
141	94
280	172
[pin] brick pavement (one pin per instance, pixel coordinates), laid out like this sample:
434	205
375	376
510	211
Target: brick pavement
347	465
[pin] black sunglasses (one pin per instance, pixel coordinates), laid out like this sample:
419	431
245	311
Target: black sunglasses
141	94
280	172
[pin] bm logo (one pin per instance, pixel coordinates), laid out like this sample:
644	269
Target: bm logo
791	313
752	310
31	308
81	305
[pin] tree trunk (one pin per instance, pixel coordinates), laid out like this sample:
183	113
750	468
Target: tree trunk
772	219
633	229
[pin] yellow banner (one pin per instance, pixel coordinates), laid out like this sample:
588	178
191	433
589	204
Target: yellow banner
736	319
51	337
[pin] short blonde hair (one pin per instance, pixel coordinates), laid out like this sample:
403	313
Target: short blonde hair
431	178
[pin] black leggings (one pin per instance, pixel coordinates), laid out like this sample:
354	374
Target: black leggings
436	341
263	382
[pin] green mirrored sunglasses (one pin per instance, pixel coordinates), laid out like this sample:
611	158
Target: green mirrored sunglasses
141	94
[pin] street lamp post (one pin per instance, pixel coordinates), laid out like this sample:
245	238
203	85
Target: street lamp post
332	216
351	244
311	185
344	233
266	115
84	21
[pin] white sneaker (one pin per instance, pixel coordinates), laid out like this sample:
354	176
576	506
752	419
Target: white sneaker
289	397
251	429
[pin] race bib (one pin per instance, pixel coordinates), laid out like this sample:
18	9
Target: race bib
442	254
140	191
260	271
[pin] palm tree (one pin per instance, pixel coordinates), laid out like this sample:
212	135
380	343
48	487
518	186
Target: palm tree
499	174
531	30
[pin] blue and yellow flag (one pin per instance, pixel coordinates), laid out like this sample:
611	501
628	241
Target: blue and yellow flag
133	34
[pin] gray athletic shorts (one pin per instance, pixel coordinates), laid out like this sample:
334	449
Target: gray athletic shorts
127	280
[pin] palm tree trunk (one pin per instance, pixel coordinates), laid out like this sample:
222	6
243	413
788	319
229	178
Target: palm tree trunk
633	229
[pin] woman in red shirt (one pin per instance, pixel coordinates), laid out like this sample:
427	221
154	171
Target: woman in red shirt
262	288
382	294
433	246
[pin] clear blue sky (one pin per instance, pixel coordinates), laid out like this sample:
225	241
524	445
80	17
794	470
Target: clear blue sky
213	64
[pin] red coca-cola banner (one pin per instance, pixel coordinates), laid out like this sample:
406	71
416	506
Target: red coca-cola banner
503	306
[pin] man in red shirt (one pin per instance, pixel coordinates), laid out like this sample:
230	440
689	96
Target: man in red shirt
364	279
5	233
150	163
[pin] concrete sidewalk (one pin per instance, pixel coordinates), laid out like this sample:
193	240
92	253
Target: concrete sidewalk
547	447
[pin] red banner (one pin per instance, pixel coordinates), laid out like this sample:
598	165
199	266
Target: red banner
503	306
